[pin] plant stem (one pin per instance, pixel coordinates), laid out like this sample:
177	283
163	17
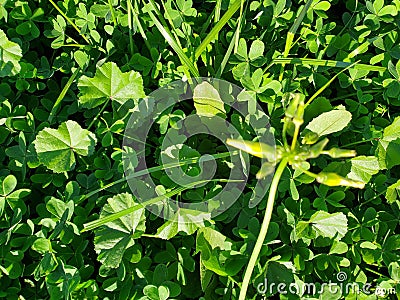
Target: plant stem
328	83
358	142
217	28
99	113
264	228
70	21
129	8
62	95
284	137
295	135
113	13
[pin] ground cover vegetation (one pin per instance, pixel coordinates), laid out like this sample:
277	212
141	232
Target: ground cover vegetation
327	73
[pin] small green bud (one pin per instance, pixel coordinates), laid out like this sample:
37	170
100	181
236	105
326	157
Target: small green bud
292	107
310	138
333	179
254	148
336	152
298	116
316	149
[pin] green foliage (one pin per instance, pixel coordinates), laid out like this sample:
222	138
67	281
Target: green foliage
56	148
10	55
207	101
329	122
114	238
74	71
109	83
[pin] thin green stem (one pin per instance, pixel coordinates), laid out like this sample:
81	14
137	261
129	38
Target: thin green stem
327	63
375	272
186	62
73	45
129	7
69	21
239	25
62	95
216	29
157	168
226	56
291	33
99	113
284	137
317	93
295	135
347	96
112	13
357	143
311	174
373	198
99	222
264	228
138	24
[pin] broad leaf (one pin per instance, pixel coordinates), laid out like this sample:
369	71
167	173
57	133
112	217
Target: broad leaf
393	192
10	54
216	253
110	83
392	132
55	148
113	238
214	238
363	167
329	225
184	220
388	150
207	101
329	122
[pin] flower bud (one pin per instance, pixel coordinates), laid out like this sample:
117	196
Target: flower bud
298	116
316	149
310	138
254	148
336	152
292	107
333	179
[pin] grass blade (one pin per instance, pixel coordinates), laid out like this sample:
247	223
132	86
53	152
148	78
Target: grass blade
181	163
226	56
317	93
292	32
174	45
69	21
217	28
327	63
99	222
62	95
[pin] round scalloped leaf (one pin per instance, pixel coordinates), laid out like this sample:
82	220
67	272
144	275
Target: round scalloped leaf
113	238
110	83
56	148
